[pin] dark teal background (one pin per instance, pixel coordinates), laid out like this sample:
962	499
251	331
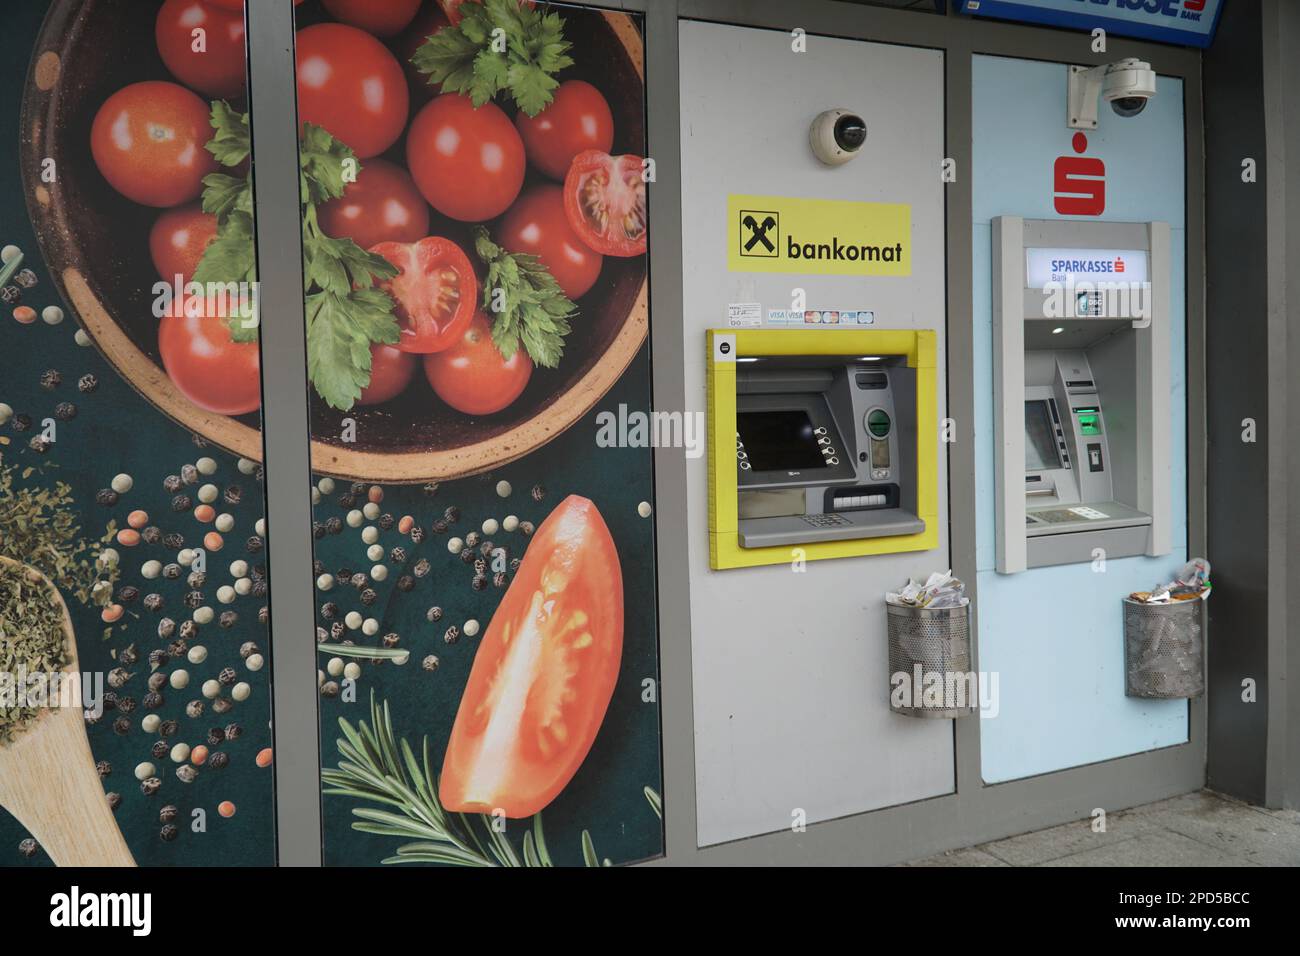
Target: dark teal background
118	431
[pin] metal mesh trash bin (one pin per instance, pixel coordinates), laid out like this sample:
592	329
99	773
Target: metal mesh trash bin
1164	649
930	672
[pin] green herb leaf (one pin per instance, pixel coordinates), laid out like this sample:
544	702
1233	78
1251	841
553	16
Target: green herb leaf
232	143
527	304
498	46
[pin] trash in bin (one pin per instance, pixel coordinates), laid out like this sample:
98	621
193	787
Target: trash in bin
1191	583
940	590
1164	637
929	649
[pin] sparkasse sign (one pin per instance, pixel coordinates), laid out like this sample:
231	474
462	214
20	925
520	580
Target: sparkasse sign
1187	22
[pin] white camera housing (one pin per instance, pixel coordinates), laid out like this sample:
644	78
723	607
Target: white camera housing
837	135
1126	85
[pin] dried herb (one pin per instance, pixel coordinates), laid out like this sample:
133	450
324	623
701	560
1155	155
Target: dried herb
38	527
32	645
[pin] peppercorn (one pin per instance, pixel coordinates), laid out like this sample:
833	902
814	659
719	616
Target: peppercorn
189	630
129	655
171	572
110	701
87	383
126	704
103	768
215	736
65	411
105	496
417	534
197	579
336	630
344	574
233	731
222	705
186	774
156	681
452	634
158	657
433	614
182	503
227	675
11	295
218	760
151	785
391	639
322	635
430	663
514	564
26	278
499	579
173	541
22	422
151	535
160	749
167	814
329	610
254	545
386	522
233	495
397	555
177	648
194	708
51	379
259	589
486	549
421	568
405	583
189	474
153	700
118	676
359	487
28	848
329	689
114	800
480	566
431	488
479	582
39	444
227	619
472	539
358	581
440	526
247	649
346	500
527	528
168	833
153	602
451	515
368	597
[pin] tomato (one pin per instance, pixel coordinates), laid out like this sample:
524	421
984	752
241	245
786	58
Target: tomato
351	85
430	21
148	138
236	5
435	289
210	369
177	241
604	198
383	18
537	225
391	370
469	163
473	377
217	66
544	672
577	119
452	8
383	205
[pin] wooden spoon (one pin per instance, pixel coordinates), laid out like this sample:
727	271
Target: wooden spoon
48	779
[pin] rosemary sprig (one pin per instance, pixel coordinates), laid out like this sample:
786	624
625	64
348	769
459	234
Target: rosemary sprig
378	767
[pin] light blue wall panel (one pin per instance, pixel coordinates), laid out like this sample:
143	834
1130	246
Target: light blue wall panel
1054	635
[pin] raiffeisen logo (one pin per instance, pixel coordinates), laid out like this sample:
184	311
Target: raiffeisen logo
1079	182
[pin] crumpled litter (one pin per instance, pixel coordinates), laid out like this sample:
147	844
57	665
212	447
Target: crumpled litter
940	590
1191	583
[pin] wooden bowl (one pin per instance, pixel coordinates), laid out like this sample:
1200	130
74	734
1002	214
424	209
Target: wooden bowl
96	245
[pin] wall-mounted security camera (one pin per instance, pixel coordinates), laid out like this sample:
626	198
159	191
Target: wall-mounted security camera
837	135
1126	85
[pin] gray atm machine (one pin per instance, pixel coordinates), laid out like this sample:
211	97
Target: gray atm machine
1081	382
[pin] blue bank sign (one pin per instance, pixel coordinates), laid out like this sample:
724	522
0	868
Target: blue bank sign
1187	22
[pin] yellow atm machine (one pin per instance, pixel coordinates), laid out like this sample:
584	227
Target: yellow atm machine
1081	380
822	444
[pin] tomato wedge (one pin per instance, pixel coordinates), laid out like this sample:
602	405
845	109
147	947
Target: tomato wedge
544	674
435	289
604	199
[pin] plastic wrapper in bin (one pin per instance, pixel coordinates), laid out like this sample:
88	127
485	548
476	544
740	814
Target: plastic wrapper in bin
929	649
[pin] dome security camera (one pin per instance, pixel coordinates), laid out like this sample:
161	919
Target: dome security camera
1126	85
836	136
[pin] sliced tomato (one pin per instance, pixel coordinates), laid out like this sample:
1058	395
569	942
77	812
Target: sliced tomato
435	289
544	672
604	198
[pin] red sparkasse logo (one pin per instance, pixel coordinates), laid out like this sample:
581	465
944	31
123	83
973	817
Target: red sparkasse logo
1119	263
1079	182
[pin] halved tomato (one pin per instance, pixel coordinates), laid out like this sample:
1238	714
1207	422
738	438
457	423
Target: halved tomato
544	674
604	198
435	289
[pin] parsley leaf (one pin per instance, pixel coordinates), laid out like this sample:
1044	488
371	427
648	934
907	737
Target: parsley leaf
499	45
527	304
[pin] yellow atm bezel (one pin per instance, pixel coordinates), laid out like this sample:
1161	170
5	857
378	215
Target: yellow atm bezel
724	538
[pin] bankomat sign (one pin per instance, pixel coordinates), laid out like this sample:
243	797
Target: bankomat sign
818	236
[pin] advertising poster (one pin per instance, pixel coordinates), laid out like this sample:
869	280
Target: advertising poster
475	236
132	527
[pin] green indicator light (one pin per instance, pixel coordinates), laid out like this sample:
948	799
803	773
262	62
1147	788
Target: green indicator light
1090	424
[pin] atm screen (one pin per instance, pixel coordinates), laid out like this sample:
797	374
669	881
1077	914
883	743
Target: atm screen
1040	440
779	440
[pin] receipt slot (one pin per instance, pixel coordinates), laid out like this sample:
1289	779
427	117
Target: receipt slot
1081	383
822	444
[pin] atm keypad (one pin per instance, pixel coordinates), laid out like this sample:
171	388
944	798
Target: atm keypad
826	521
